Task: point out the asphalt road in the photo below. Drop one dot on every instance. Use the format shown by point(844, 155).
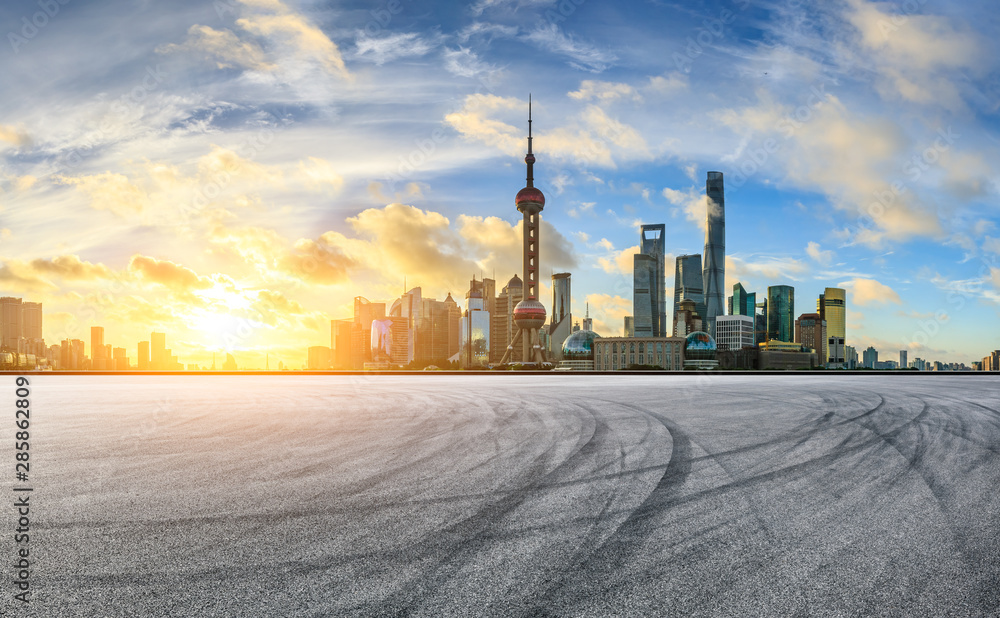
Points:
point(512, 496)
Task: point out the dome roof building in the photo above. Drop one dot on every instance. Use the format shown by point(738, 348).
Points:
point(700, 351)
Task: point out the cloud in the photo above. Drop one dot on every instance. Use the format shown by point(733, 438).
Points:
point(16, 136)
point(853, 159)
point(71, 267)
point(296, 33)
point(618, 262)
point(991, 245)
point(668, 84)
point(488, 30)
point(582, 55)
point(693, 203)
point(915, 56)
point(223, 47)
point(319, 174)
point(464, 62)
point(816, 252)
point(394, 46)
point(110, 191)
point(604, 92)
point(168, 274)
point(591, 137)
point(869, 292)
point(776, 270)
point(322, 261)
point(609, 313)
point(483, 5)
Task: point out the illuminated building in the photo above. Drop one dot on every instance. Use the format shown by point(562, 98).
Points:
point(158, 357)
point(318, 357)
point(502, 327)
point(474, 333)
point(143, 355)
point(686, 319)
point(98, 358)
point(11, 316)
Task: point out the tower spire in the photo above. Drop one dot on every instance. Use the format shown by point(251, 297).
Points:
point(530, 158)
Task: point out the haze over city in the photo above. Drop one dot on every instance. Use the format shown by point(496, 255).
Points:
point(214, 163)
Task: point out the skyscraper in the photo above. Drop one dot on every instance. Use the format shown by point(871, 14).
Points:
point(474, 333)
point(688, 283)
point(870, 357)
point(781, 313)
point(158, 351)
point(10, 322)
point(902, 360)
point(144, 355)
point(97, 350)
point(561, 325)
point(832, 307)
point(529, 314)
point(811, 331)
point(502, 327)
point(649, 293)
point(714, 273)
point(743, 303)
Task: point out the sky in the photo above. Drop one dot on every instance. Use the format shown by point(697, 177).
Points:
point(235, 172)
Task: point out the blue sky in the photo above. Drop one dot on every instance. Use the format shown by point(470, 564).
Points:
point(235, 172)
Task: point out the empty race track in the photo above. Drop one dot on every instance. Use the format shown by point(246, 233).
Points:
point(514, 495)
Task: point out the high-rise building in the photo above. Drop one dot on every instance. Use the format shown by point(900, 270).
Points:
point(649, 293)
point(365, 312)
point(760, 322)
point(902, 360)
point(529, 314)
point(870, 357)
point(560, 326)
point(832, 307)
point(689, 282)
point(143, 355)
point(781, 313)
point(629, 326)
point(502, 327)
point(98, 358)
point(810, 331)
point(743, 303)
point(318, 357)
point(340, 343)
point(714, 263)
point(454, 315)
point(120, 360)
point(158, 357)
point(11, 316)
point(588, 322)
point(734, 332)
point(686, 319)
point(31, 320)
point(850, 357)
point(474, 333)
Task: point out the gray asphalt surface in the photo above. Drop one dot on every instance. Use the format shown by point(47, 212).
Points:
point(513, 496)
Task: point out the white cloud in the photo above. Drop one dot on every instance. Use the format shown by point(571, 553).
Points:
point(816, 252)
point(582, 55)
point(394, 46)
point(868, 292)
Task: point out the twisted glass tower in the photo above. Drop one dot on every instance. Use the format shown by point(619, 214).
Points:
point(714, 263)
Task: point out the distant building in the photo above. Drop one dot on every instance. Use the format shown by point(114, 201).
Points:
point(318, 357)
point(578, 351)
point(629, 326)
point(734, 332)
point(502, 327)
point(902, 360)
point(143, 355)
point(230, 364)
point(365, 312)
point(120, 360)
point(340, 343)
point(619, 353)
point(158, 356)
point(700, 352)
point(561, 324)
point(870, 357)
point(98, 353)
point(850, 357)
point(781, 313)
point(991, 362)
point(10, 323)
point(742, 302)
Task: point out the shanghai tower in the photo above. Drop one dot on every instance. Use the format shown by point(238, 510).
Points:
point(714, 263)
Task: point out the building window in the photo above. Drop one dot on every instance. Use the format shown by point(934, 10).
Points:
point(642, 348)
point(614, 347)
point(659, 347)
point(641, 361)
point(631, 347)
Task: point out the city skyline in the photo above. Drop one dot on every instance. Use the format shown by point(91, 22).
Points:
point(202, 182)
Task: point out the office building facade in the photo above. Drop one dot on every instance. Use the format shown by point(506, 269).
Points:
point(649, 293)
point(561, 323)
point(618, 353)
point(689, 283)
point(832, 307)
point(734, 332)
point(781, 313)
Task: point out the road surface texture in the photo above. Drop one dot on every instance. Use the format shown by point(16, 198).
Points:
point(513, 495)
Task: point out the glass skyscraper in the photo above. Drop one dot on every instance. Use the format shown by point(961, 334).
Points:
point(781, 313)
point(688, 283)
point(649, 292)
point(714, 264)
point(743, 303)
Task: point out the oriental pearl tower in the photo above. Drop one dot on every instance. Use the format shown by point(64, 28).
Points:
point(529, 314)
